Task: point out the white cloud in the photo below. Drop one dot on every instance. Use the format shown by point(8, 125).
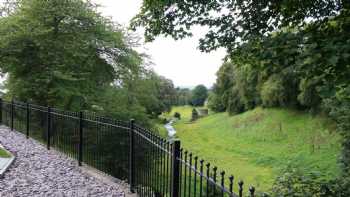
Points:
point(179, 61)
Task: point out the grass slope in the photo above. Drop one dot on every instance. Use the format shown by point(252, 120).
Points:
point(255, 145)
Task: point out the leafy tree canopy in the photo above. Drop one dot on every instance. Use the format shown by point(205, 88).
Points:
point(290, 53)
point(65, 54)
point(199, 95)
point(59, 52)
point(230, 22)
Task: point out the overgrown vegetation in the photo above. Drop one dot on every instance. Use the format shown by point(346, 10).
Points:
point(292, 54)
point(306, 69)
point(65, 54)
point(260, 144)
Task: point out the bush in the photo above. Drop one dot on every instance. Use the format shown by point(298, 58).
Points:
point(215, 103)
point(338, 108)
point(294, 182)
point(177, 115)
point(195, 115)
point(164, 121)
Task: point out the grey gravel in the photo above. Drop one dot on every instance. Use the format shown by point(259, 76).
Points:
point(41, 172)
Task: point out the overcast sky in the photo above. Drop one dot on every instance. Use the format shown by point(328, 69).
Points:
point(179, 61)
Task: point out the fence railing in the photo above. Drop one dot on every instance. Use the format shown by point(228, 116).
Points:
point(152, 166)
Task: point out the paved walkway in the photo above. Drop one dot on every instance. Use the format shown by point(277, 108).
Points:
point(39, 172)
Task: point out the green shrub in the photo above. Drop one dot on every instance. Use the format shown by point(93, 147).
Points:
point(294, 182)
point(195, 115)
point(338, 108)
point(215, 103)
point(177, 115)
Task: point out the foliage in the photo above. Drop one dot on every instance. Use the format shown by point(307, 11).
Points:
point(177, 115)
point(281, 53)
point(156, 93)
point(215, 103)
point(194, 115)
point(255, 145)
point(199, 95)
point(339, 109)
point(230, 22)
point(59, 53)
point(273, 92)
point(183, 96)
point(7, 7)
point(339, 186)
point(65, 54)
point(115, 102)
point(314, 77)
point(222, 88)
point(294, 182)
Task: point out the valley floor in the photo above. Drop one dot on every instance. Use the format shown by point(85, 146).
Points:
point(255, 146)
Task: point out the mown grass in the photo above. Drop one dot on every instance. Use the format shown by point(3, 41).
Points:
point(4, 154)
point(256, 145)
point(185, 112)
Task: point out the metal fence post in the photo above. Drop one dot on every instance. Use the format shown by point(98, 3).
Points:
point(80, 138)
point(0, 110)
point(132, 156)
point(12, 113)
point(27, 120)
point(175, 179)
point(48, 127)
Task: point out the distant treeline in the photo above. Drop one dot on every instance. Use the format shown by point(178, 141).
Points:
point(195, 97)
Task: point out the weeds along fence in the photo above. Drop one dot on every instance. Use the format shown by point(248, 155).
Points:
point(152, 166)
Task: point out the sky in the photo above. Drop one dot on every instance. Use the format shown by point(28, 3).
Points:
point(181, 61)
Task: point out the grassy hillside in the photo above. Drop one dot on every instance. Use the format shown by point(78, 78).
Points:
point(255, 145)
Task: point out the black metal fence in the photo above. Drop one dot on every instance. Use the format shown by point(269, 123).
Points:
point(153, 166)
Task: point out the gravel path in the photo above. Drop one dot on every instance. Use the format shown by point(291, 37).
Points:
point(39, 172)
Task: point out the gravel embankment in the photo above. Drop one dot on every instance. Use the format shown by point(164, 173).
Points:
point(39, 172)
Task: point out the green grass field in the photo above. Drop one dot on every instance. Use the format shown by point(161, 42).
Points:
point(256, 145)
point(3, 153)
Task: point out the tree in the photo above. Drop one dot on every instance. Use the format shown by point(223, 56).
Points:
point(183, 96)
point(156, 93)
point(230, 22)
point(280, 53)
point(222, 87)
point(63, 53)
point(7, 7)
point(199, 95)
